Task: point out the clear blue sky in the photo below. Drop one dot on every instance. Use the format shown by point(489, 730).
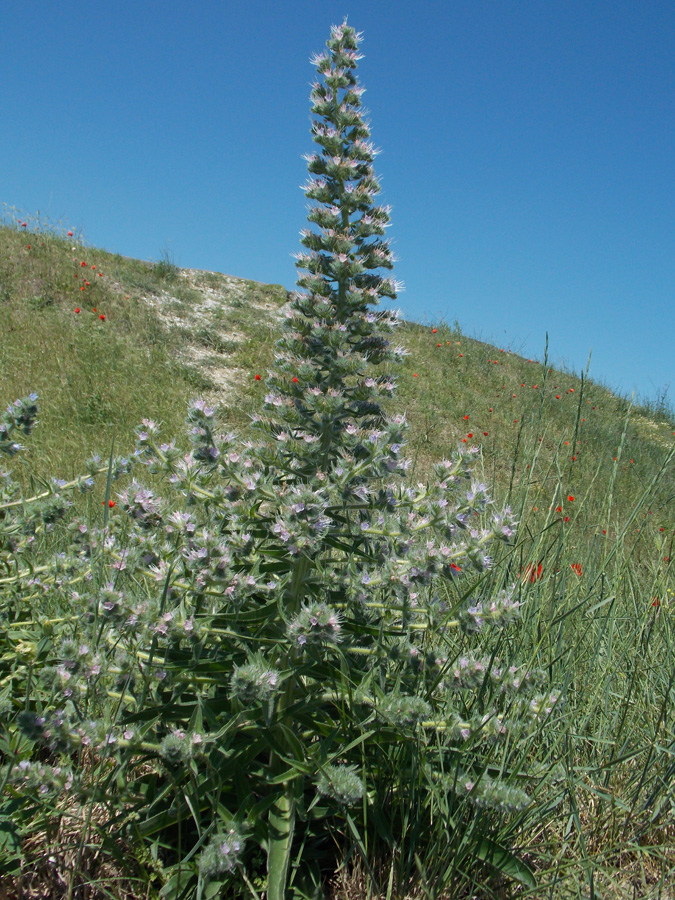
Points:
point(528, 152)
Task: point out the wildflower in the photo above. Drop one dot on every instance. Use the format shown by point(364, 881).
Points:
point(83, 264)
point(570, 498)
point(23, 224)
point(576, 568)
point(27, 246)
point(532, 572)
point(77, 309)
point(415, 375)
point(434, 330)
point(257, 377)
point(70, 234)
point(566, 519)
point(102, 317)
point(295, 379)
point(466, 417)
point(558, 509)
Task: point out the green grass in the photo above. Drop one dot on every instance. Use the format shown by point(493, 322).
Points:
point(591, 477)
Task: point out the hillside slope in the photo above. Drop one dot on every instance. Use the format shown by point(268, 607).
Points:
point(106, 341)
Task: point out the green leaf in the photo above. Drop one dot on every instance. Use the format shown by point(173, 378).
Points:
point(176, 885)
point(505, 862)
point(281, 826)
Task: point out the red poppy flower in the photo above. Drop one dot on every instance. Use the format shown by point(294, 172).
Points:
point(656, 602)
point(93, 267)
point(466, 417)
point(438, 345)
point(23, 224)
point(570, 497)
point(557, 396)
point(576, 568)
point(82, 288)
point(102, 317)
point(461, 354)
point(111, 503)
point(27, 246)
point(87, 283)
point(70, 234)
point(455, 567)
point(295, 379)
point(415, 375)
point(83, 264)
point(558, 509)
point(434, 330)
point(532, 572)
point(485, 433)
point(257, 377)
point(566, 519)
point(94, 309)
point(470, 434)
point(77, 309)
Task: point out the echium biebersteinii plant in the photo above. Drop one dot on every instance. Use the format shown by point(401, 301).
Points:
point(285, 630)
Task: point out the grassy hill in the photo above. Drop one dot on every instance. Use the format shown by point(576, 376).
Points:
point(106, 341)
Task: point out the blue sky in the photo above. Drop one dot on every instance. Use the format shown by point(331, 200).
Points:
point(528, 152)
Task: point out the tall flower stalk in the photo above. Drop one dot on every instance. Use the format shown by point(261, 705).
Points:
point(267, 653)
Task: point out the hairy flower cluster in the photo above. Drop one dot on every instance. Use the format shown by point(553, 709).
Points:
point(180, 746)
point(489, 793)
point(20, 416)
point(222, 854)
point(403, 710)
point(340, 783)
point(316, 623)
point(41, 779)
point(498, 612)
point(254, 681)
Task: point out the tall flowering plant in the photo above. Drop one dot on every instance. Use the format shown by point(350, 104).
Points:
point(266, 651)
